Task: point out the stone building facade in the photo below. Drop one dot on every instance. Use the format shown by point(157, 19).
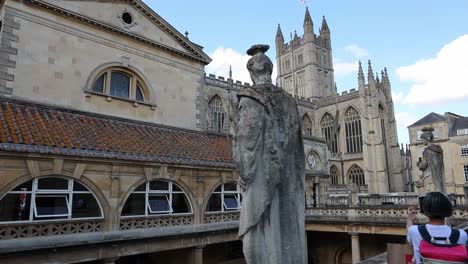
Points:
point(359, 125)
point(112, 135)
point(451, 133)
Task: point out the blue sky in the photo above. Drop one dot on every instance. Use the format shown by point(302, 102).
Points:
point(424, 44)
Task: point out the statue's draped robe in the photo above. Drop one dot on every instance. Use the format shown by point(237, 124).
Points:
point(434, 157)
point(270, 158)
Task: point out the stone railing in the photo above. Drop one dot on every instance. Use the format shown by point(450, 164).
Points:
point(338, 189)
point(49, 228)
point(382, 214)
point(217, 217)
point(155, 221)
point(388, 200)
point(338, 200)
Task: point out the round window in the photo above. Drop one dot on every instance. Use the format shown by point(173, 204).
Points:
point(127, 18)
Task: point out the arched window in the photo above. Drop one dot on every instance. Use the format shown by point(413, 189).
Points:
point(156, 198)
point(50, 198)
point(217, 115)
point(306, 125)
point(353, 131)
point(356, 175)
point(226, 197)
point(382, 122)
point(120, 82)
point(327, 126)
point(334, 175)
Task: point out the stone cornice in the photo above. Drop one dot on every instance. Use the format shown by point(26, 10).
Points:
point(197, 55)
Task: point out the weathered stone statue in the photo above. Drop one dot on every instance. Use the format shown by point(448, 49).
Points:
point(270, 159)
point(433, 159)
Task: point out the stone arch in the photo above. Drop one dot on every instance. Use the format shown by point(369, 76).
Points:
point(334, 175)
point(348, 108)
point(326, 126)
point(102, 202)
point(343, 256)
point(94, 74)
point(207, 197)
point(353, 130)
point(356, 175)
point(307, 124)
point(217, 115)
point(217, 185)
point(181, 185)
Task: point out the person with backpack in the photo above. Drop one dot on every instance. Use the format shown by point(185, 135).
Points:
point(436, 242)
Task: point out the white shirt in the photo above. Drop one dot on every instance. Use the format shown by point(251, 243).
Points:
point(415, 238)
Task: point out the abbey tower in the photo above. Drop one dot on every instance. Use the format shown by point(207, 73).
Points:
point(305, 63)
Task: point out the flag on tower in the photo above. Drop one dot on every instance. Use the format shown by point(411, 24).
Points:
point(303, 1)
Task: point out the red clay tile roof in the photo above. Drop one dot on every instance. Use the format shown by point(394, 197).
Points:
point(26, 127)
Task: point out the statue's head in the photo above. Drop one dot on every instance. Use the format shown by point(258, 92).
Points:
point(260, 66)
point(427, 135)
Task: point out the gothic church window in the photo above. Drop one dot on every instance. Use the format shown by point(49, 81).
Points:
point(288, 86)
point(300, 83)
point(227, 197)
point(157, 198)
point(287, 65)
point(307, 126)
point(382, 122)
point(120, 82)
point(356, 175)
point(217, 114)
point(300, 59)
point(326, 124)
point(334, 175)
point(50, 198)
point(353, 131)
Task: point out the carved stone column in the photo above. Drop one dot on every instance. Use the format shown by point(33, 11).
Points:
point(198, 254)
point(355, 248)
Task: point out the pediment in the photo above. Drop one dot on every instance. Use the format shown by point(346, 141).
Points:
point(130, 17)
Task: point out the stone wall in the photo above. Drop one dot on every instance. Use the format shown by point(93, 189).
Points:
point(58, 57)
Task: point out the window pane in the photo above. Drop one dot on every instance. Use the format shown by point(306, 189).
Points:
point(24, 187)
point(15, 207)
point(52, 184)
point(85, 205)
point(214, 204)
point(159, 186)
point(51, 205)
point(176, 188)
point(135, 205)
point(230, 187)
point(99, 84)
point(120, 84)
point(180, 203)
point(141, 188)
point(218, 189)
point(158, 203)
point(139, 94)
point(79, 187)
point(230, 202)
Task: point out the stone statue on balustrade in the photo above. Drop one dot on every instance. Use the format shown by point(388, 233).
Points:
point(432, 162)
point(269, 153)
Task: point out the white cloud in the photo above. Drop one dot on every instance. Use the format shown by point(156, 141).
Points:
point(345, 68)
point(397, 96)
point(439, 79)
point(357, 51)
point(404, 119)
point(225, 57)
